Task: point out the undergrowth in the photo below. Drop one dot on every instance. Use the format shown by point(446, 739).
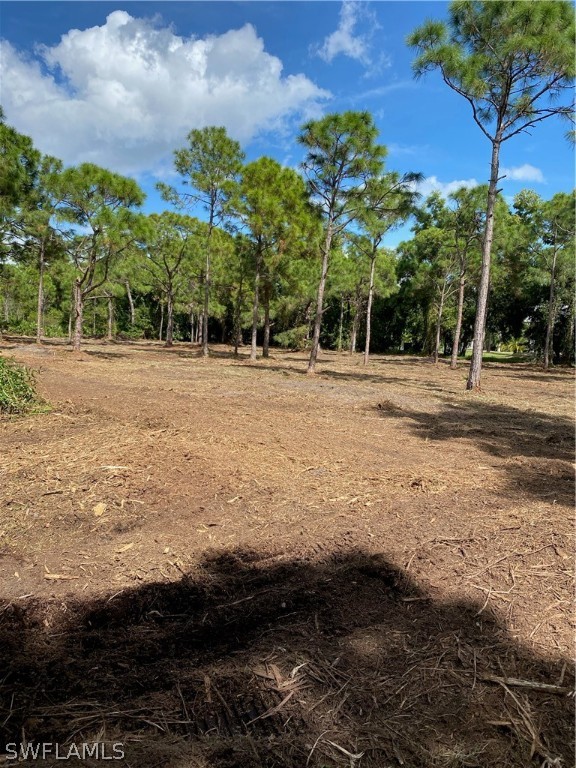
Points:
point(18, 389)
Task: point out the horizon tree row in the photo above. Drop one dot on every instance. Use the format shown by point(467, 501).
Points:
point(266, 226)
point(77, 234)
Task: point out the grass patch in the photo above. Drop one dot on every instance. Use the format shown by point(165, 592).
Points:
point(18, 389)
point(503, 357)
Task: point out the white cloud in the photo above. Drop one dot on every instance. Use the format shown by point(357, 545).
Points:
point(432, 184)
point(125, 94)
point(343, 40)
point(384, 90)
point(406, 149)
point(524, 172)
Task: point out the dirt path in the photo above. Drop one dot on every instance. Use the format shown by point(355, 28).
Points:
point(180, 535)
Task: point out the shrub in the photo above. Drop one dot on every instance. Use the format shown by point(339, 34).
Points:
point(294, 339)
point(17, 389)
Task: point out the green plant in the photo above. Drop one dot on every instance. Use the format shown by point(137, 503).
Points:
point(295, 338)
point(17, 389)
point(515, 346)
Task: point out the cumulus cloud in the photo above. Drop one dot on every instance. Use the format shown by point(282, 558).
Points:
point(432, 184)
point(345, 40)
point(125, 94)
point(524, 172)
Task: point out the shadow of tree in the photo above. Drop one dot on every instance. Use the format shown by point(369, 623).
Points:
point(539, 446)
point(532, 374)
point(365, 377)
point(101, 355)
point(255, 661)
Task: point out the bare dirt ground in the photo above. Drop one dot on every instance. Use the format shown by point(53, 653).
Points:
point(221, 564)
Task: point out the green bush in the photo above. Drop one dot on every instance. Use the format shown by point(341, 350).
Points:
point(294, 339)
point(515, 346)
point(17, 389)
point(22, 327)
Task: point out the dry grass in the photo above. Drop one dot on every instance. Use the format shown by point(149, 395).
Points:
point(368, 567)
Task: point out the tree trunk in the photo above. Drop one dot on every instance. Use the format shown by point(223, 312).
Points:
point(341, 323)
point(191, 326)
point(266, 339)
point(571, 334)
point(320, 301)
point(480, 321)
point(70, 319)
point(131, 303)
point(551, 318)
point(169, 320)
point(161, 333)
point(205, 350)
point(110, 336)
point(238, 317)
point(308, 317)
point(369, 309)
point(458, 330)
point(4, 312)
point(439, 324)
point(199, 330)
point(428, 332)
point(253, 347)
point(40, 308)
point(355, 324)
point(78, 313)
point(237, 339)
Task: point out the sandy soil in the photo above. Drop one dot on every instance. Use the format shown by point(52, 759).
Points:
point(218, 563)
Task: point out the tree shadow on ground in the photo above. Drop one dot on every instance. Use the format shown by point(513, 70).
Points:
point(188, 350)
point(255, 661)
point(105, 355)
point(31, 341)
point(538, 447)
point(367, 377)
point(329, 358)
point(531, 374)
point(256, 368)
point(220, 354)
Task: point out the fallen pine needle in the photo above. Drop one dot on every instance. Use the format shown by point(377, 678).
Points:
point(531, 684)
point(59, 576)
point(273, 710)
point(353, 757)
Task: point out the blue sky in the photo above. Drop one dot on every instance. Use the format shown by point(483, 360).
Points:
point(122, 83)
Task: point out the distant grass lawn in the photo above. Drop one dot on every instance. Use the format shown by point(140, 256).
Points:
point(503, 357)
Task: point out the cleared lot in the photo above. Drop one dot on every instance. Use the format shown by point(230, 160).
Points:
point(220, 563)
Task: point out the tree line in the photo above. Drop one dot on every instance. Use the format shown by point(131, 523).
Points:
point(256, 253)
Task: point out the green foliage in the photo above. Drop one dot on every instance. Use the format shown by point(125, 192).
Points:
point(273, 205)
point(75, 229)
point(209, 167)
point(512, 60)
point(342, 155)
point(295, 339)
point(514, 346)
point(18, 167)
point(17, 389)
